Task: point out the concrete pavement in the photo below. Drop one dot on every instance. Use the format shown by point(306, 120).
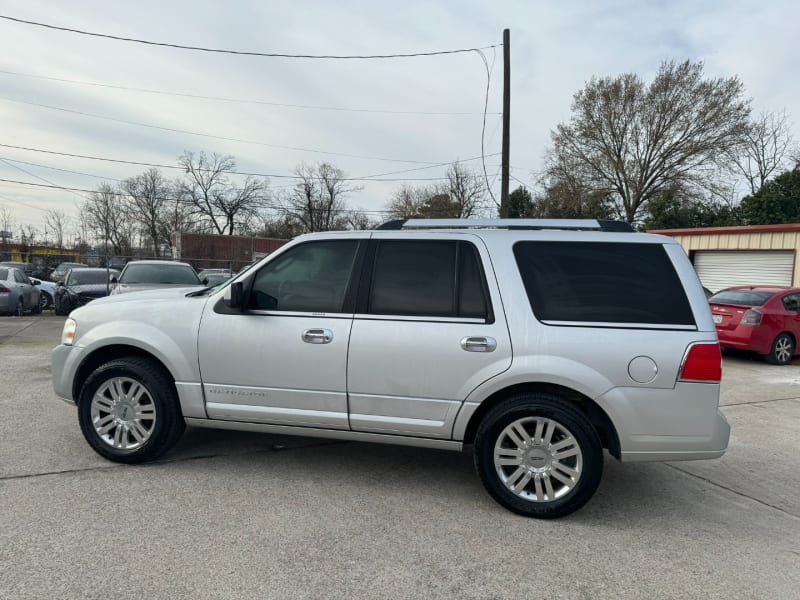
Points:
point(230, 515)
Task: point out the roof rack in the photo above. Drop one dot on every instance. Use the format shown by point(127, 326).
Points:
point(577, 224)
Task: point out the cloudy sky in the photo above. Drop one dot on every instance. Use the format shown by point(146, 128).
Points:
point(556, 47)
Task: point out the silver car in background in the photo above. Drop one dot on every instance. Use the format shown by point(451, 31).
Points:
point(17, 292)
point(154, 274)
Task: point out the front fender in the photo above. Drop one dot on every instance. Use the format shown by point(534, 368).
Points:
point(180, 359)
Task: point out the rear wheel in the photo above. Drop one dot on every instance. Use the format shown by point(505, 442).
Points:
point(782, 350)
point(538, 456)
point(129, 411)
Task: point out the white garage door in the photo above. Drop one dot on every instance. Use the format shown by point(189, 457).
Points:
point(719, 270)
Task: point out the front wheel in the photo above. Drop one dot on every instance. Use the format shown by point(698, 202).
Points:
point(782, 350)
point(538, 456)
point(45, 300)
point(129, 411)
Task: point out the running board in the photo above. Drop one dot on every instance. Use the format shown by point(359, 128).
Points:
point(335, 434)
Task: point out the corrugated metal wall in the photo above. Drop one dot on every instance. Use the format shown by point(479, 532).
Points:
point(774, 240)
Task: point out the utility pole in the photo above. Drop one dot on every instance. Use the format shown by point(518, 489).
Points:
point(506, 122)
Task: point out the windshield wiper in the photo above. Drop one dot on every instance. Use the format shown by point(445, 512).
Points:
point(201, 292)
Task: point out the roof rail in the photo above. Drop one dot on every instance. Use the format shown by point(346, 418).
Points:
point(578, 224)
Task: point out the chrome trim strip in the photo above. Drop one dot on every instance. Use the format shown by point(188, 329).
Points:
point(279, 313)
point(606, 325)
point(354, 436)
point(432, 319)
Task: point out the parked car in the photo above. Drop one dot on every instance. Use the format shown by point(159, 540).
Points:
point(60, 271)
point(47, 292)
point(117, 262)
point(762, 319)
point(81, 286)
point(212, 277)
point(25, 267)
point(142, 275)
point(17, 293)
point(522, 338)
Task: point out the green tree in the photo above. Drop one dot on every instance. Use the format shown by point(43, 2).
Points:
point(778, 201)
point(671, 211)
point(520, 203)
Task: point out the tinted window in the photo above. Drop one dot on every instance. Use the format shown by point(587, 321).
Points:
point(792, 302)
point(4, 274)
point(311, 277)
point(741, 297)
point(602, 282)
point(20, 277)
point(161, 274)
point(427, 278)
point(87, 277)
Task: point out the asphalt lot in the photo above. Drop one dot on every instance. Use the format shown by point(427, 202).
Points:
point(233, 515)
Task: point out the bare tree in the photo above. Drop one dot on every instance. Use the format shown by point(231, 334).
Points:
point(106, 216)
point(466, 190)
point(317, 202)
point(6, 230)
point(460, 196)
point(636, 140)
point(56, 222)
point(767, 146)
point(148, 198)
point(213, 197)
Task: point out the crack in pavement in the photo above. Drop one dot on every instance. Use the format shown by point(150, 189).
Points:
point(273, 448)
point(737, 492)
point(759, 401)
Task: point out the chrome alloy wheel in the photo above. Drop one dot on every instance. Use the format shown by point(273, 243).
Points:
point(538, 459)
point(123, 413)
point(783, 349)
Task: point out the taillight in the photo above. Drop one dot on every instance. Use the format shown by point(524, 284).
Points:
point(751, 317)
point(703, 362)
point(4, 290)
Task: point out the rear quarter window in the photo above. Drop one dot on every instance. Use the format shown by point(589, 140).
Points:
point(602, 282)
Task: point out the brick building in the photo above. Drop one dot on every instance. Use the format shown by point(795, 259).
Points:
point(206, 251)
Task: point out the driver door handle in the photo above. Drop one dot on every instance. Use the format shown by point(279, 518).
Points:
point(317, 336)
point(479, 344)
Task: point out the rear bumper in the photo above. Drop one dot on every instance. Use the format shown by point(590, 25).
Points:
point(746, 337)
point(682, 423)
point(715, 447)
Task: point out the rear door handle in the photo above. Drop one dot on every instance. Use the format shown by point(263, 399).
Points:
point(479, 344)
point(317, 336)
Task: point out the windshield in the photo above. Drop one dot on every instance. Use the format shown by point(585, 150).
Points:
point(160, 274)
point(741, 297)
point(87, 276)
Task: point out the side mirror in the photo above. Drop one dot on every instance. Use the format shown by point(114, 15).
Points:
point(60, 284)
point(113, 279)
point(35, 282)
point(205, 281)
point(234, 296)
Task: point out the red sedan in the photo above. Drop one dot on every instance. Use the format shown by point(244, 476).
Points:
point(764, 319)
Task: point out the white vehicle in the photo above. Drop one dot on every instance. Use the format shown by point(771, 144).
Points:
point(539, 343)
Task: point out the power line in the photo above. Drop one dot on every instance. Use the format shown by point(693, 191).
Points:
point(241, 100)
point(246, 173)
point(32, 164)
point(7, 199)
point(36, 176)
point(213, 136)
point(248, 53)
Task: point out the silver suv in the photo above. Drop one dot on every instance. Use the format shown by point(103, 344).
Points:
point(538, 343)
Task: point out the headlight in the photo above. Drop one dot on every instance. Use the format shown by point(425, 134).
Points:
point(68, 333)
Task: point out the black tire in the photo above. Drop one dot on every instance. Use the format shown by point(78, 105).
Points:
point(62, 307)
point(550, 409)
point(168, 425)
point(782, 350)
point(45, 300)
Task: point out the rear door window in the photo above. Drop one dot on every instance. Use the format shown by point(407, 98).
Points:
point(428, 278)
point(602, 282)
point(741, 297)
